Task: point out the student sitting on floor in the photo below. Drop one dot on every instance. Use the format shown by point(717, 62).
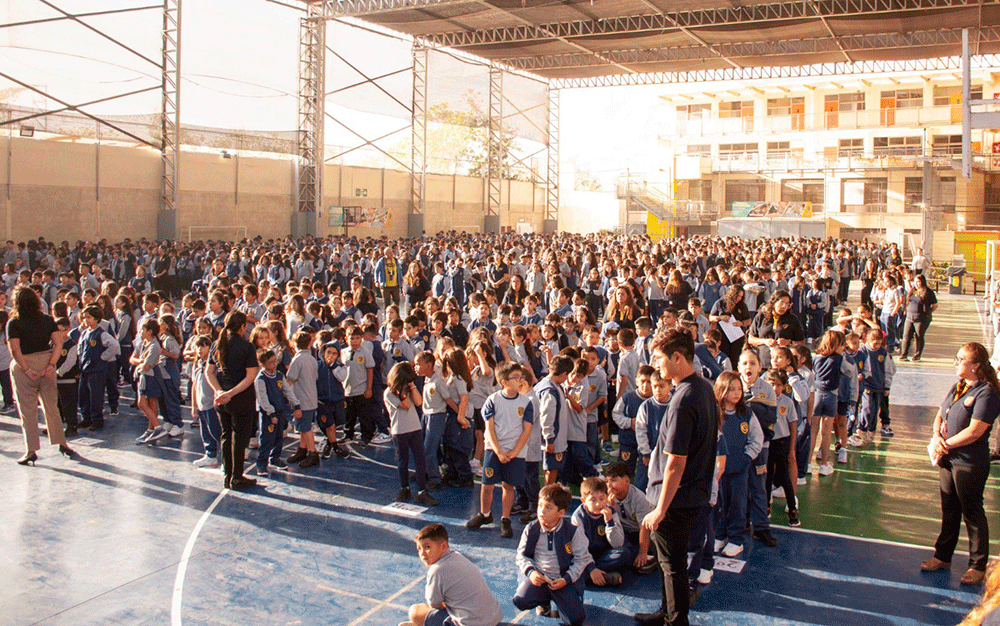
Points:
point(551, 559)
point(456, 593)
point(605, 534)
point(631, 504)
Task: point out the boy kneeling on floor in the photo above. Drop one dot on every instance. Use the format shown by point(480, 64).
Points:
point(456, 592)
point(605, 534)
point(551, 559)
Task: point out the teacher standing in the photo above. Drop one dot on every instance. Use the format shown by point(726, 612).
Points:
point(961, 443)
point(231, 372)
point(32, 337)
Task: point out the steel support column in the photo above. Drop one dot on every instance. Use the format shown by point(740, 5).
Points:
point(170, 122)
point(551, 222)
point(494, 152)
point(418, 136)
point(312, 111)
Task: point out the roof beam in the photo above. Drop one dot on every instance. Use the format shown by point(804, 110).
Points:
point(820, 45)
point(772, 72)
point(356, 8)
point(689, 33)
point(670, 21)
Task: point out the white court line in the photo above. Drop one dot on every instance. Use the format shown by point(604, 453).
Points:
point(519, 617)
point(386, 602)
point(357, 454)
point(361, 597)
point(865, 539)
point(175, 607)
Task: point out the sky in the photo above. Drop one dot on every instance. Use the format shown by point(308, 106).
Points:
point(239, 66)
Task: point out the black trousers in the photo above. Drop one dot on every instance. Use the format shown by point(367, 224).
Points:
point(911, 329)
point(69, 396)
point(962, 498)
point(778, 472)
point(236, 417)
point(671, 541)
point(359, 411)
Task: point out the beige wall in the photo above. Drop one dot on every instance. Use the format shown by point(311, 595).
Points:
point(63, 190)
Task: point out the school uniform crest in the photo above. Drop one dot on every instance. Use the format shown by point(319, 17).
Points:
point(280, 383)
point(520, 411)
point(593, 388)
point(744, 428)
point(431, 390)
point(881, 358)
point(558, 457)
point(93, 342)
point(65, 351)
point(569, 548)
point(397, 352)
point(969, 401)
point(788, 389)
point(762, 395)
point(783, 410)
point(626, 455)
point(488, 472)
point(602, 530)
point(361, 359)
point(270, 428)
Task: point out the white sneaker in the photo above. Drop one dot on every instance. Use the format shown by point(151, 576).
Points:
point(144, 436)
point(819, 455)
point(855, 441)
point(175, 430)
point(842, 455)
point(826, 469)
point(705, 577)
point(381, 438)
point(475, 464)
point(777, 492)
point(254, 443)
point(719, 544)
point(614, 439)
point(809, 468)
point(205, 461)
point(801, 481)
point(158, 433)
point(732, 549)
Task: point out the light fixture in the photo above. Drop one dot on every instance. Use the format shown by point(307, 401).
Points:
point(27, 131)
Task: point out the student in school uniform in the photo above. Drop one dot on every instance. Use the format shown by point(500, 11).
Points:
point(276, 402)
point(631, 504)
point(203, 405)
point(303, 376)
point(68, 380)
point(96, 349)
point(358, 388)
point(625, 412)
point(509, 418)
point(402, 400)
point(552, 409)
point(434, 416)
point(605, 534)
point(648, 419)
point(579, 463)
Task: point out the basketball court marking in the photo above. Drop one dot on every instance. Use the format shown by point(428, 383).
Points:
point(386, 602)
point(358, 596)
point(175, 607)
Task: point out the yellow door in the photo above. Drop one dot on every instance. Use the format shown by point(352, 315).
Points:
point(888, 107)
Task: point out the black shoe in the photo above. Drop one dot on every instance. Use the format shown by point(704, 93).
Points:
point(85, 424)
point(425, 498)
point(692, 596)
point(66, 451)
point(363, 443)
point(793, 518)
point(341, 451)
point(96, 427)
point(300, 454)
point(28, 459)
point(433, 485)
point(311, 460)
point(114, 411)
point(459, 483)
point(402, 495)
point(765, 537)
point(242, 483)
point(655, 618)
point(612, 579)
point(327, 449)
point(518, 509)
point(477, 520)
point(994, 457)
point(279, 463)
point(345, 438)
point(528, 517)
point(506, 530)
point(71, 431)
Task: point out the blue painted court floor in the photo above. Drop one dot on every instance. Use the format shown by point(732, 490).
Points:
point(132, 534)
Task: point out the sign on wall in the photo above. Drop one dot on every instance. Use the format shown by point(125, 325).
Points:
point(772, 209)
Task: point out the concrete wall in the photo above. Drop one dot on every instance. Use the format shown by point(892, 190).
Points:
point(71, 191)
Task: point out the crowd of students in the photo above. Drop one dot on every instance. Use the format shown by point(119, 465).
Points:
point(527, 361)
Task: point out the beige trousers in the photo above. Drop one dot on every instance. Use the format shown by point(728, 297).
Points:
point(28, 392)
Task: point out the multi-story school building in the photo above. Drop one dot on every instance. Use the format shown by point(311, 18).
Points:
point(868, 156)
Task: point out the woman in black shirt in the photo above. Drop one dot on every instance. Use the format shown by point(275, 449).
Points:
point(919, 308)
point(775, 325)
point(32, 337)
point(960, 445)
point(731, 308)
point(231, 372)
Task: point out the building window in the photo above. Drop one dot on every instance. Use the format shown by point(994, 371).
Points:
point(778, 149)
point(899, 146)
point(736, 109)
point(701, 149)
point(694, 112)
point(731, 149)
point(864, 195)
point(846, 101)
point(905, 98)
point(803, 191)
point(700, 190)
point(850, 147)
point(947, 197)
point(744, 191)
point(945, 145)
point(780, 107)
point(952, 94)
point(913, 194)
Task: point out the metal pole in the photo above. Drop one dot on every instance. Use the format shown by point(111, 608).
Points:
point(966, 107)
point(551, 222)
point(494, 152)
point(170, 120)
point(418, 140)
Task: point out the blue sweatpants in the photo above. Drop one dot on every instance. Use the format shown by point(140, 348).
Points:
point(568, 600)
point(434, 426)
point(868, 413)
point(758, 490)
point(731, 518)
point(271, 437)
point(701, 546)
point(92, 395)
point(211, 432)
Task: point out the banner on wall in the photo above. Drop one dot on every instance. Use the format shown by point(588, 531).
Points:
point(371, 217)
point(772, 209)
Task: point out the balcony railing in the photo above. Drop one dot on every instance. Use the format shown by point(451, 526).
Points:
point(754, 162)
point(919, 117)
